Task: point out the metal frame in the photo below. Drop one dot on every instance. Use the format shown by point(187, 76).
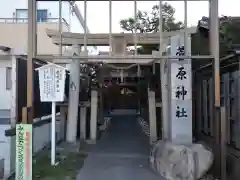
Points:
point(214, 44)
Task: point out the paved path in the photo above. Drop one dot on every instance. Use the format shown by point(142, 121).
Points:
point(121, 154)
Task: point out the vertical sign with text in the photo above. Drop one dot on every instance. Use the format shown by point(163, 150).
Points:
point(181, 92)
point(23, 152)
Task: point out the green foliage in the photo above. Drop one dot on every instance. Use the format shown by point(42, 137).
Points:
point(149, 22)
point(230, 28)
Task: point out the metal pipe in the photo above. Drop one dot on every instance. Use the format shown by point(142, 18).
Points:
point(135, 27)
point(160, 28)
point(85, 26)
point(110, 27)
point(214, 45)
point(30, 56)
point(214, 49)
point(70, 17)
point(34, 31)
point(185, 29)
point(78, 14)
point(135, 35)
point(60, 27)
point(210, 64)
point(104, 57)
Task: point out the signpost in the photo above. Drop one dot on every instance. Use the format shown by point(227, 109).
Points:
point(52, 87)
point(23, 152)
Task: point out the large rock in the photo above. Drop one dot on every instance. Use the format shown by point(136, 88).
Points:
point(180, 162)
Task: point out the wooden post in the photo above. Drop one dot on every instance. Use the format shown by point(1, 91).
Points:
point(24, 115)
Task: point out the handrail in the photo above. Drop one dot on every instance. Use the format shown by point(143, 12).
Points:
point(25, 20)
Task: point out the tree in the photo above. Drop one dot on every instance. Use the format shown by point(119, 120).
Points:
point(229, 28)
point(149, 22)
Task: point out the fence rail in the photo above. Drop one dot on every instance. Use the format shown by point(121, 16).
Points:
point(25, 20)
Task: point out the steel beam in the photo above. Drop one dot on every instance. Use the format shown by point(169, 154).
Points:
point(127, 59)
point(78, 14)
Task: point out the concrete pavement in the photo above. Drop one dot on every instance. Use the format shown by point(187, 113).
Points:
point(121, 154)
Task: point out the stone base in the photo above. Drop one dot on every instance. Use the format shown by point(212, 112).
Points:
point(180, 162)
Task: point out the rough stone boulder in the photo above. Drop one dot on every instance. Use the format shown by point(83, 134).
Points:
point(180, 162)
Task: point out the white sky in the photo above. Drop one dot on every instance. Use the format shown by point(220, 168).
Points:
point(98, 19)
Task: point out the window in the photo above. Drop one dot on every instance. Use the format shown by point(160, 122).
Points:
point(8, 78)
point(22, 15)
point(42, 15)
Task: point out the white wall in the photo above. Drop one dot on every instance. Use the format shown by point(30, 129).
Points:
point(5, 95)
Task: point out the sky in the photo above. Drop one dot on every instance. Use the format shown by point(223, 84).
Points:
point(98, 12)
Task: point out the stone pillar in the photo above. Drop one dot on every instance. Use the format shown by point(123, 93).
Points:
point(83, 118)
point(93, 118)
point(164, 96)
point(180, 74)
point(165, 102)
point(152, 116)
point(119, 45)
point(73, 97)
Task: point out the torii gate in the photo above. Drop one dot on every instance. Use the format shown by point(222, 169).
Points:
point(117, 54)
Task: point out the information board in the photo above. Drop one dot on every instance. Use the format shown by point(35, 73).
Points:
point(52, 83)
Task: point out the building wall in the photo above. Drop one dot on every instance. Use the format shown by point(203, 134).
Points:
point(14, 35)
point(8, 8)
point(5, 95)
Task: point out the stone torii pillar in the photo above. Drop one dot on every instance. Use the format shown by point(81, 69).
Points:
point(73, 104)
point(83, 119)
point(152, 116)
point(93, 117)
